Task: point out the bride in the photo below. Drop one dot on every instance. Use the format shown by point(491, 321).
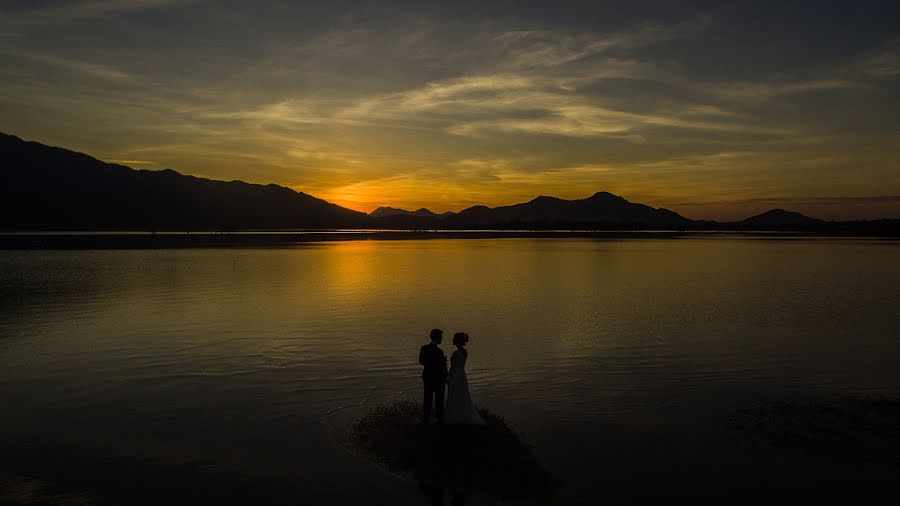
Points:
point(460, 409)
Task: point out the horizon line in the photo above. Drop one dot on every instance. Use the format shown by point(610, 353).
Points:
point(777, 202)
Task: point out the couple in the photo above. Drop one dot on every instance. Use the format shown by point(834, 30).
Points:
point(460, 409)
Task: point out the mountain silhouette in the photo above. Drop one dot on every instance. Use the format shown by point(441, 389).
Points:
point(53, 188)
point(779, 218)
point(602, 210)
point(50, 188)
point(381, 212)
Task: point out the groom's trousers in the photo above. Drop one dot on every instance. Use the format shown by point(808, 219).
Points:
point(434, 391)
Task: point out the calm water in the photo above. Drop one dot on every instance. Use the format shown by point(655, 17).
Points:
point(221, 372)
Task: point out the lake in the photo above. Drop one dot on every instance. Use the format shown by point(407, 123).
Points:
point(231, 374)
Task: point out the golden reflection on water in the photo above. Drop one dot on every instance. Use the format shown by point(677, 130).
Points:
point(520, 299)
point(155, 350)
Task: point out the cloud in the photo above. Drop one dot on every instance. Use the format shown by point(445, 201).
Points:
point(884, 63)
point(61, 12)
point(132, 162)
point(764, 91)
point(538, 104)
point(830, 201)
point(545, 83)
point(536, 82)
point(295, 111)
point(364, 104)
point(546, 48)
point(95, 70)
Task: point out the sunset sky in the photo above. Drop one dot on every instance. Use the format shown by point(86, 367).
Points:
point(713, 109)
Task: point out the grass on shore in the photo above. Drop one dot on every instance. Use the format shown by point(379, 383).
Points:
point(489, 460)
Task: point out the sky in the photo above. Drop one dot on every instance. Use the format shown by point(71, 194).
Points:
point(716, 110)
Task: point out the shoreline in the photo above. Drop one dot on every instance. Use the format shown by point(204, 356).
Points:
point(47, 240)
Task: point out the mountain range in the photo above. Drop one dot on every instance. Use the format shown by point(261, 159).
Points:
point(382, 212)
point(50, 188)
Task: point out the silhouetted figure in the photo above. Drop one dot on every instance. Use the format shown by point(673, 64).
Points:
point(460, 409)
point(434, 375)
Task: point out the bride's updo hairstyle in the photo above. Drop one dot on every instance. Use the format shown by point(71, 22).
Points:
point(460, 339)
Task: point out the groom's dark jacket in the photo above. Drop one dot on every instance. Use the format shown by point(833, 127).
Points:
point(432, 357)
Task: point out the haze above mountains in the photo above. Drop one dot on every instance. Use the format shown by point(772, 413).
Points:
point(50, 188)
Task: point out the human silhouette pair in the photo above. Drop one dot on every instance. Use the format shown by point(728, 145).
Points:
point(436, 378)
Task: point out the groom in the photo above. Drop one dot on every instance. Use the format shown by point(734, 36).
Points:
point(434, 375)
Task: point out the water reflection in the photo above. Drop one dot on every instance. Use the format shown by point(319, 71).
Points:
point(166, 354)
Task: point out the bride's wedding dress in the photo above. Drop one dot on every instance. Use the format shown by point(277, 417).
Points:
point(459, 403)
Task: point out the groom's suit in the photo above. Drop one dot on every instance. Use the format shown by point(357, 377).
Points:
point(434, 377)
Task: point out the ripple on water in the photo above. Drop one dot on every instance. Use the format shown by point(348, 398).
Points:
point(220, 352)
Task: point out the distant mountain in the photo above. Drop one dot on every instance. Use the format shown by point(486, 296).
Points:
point(778, 219)
point(601, 210)
point(381, 212)
point(46, 187)
point(49, 188)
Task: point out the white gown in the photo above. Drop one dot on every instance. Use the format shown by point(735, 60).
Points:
point(460, 409)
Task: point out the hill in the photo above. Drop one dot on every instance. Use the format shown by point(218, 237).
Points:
point(49, 188)
point(778, 219)
point(382, 212)
point(600, 210)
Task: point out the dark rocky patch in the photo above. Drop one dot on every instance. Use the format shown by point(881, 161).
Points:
point(489, 460)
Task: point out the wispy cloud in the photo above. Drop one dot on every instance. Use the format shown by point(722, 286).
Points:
point(542, 82)
point(879, 199)
point(370, 106)
point(76, 10)
point(96, 70)
point(764, 91)
point(132, 162)
point(546, 48)
point(884, 63)
point(540, 104)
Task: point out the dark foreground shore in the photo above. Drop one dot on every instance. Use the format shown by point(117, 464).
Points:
point(785, 450)
point(455, 460)
point(250, 239)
